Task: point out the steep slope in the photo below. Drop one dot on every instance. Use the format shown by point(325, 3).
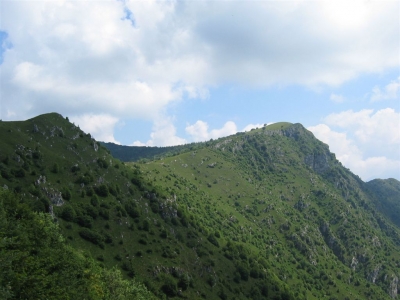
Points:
point(36, 263)
point(386, 197)
point(269, 214)
point(114, 214)
point(281, 193)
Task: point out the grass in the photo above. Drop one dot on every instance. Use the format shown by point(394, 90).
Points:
point(238, 217)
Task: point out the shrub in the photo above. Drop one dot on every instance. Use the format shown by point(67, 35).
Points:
point(132, 209)
point(102, 163)
point(92, 236)
point(102, 190)
point(55, 169)
point(20, 173)
point(211, 238)
point(84, 221)
point(68, 214)
point(169, 286)
point(66, 194)
point(94, 201)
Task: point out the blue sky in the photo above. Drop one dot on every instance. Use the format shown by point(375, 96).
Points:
point(162, 73)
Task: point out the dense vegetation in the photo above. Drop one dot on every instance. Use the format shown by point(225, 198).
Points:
point(144, 153)
point(386, 197)
point(36, 263)
point(269, 214)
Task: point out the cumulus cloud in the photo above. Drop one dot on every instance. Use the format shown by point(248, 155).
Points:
point(390, 91)
point(133, 58)
point(163, 134)
point(199, 131)
point(358, 141)
point(252, 126)
point(79, 57)
point(373, 128)
point(101, 127)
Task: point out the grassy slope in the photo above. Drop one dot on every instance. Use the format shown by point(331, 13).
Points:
point(318, 231)
point(134, 225)
point(239, 217)
point(386, 196)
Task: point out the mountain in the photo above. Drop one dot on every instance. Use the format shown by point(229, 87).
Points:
point(386, 197)
point(268, 214)
point(138, 153)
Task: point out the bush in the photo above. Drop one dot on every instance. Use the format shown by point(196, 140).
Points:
point(102, 190)
point(212, 239)
point(66, 194)
point(169, 286)
point(94, 201)
point(243, 271)
point(20, 173)
point(104, 213)
point(68, 214)
point(132, 209)
point(84, 221)
point(102, 163)
point(55, 169)
point(89, 191)
point(92, 236)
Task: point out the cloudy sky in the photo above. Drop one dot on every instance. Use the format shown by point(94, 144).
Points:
point(163, 73)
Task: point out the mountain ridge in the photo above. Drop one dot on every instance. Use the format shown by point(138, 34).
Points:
point(241, 217)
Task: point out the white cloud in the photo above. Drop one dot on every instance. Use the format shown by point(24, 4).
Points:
point(370, 143)
point(199, 131)
point(101, 127)
point(381, 127)
point(85, 57)
point(90, 54)
point(164, 134)
point(252, 126)
point(336, 98)
point(391, 91)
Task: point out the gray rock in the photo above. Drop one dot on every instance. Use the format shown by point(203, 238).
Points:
point(393, 287)
point(374, 274)
point(318, 162)
point(35, 128)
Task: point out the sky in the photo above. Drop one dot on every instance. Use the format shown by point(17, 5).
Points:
point(162, 73)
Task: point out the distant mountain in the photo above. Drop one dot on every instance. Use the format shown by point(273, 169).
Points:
point(267, 214)
point(137, 153)
point(386, 197)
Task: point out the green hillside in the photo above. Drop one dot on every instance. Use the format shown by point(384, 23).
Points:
point(386, 196)
point(268, 214)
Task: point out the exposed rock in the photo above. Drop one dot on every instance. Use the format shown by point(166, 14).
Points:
point(393, 287)
point(95, 146)
point(40, 180)
point(331, 240)
point(35, 128)
point(168, 209)
point(301, 205)
point(17, 158)
point(55, 130)
point(54, 196)
point(212, 165)
point(374, 274)
point(376, 242)
point(354, 263)
point(318, 162)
